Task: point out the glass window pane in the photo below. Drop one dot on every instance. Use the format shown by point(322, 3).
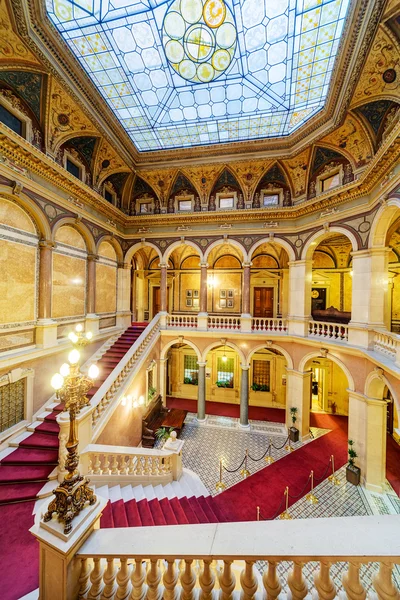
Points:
point(190, 369)
point(261, 375)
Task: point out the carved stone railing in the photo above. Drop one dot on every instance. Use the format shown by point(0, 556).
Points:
point(328, 331)
point(206, 561)
point(270, 325)
point(223, 322)
point(184, 321)
point(120, 464)
point(387, 343)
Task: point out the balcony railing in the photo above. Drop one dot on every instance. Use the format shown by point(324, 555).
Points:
point(387, 343)
point(258, 324)
point(328, 331)
point(182, 321)
point(223, 322)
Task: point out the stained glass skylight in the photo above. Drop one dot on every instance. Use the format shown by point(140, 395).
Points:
point(183, 73)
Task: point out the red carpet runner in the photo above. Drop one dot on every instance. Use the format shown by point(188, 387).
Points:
point(22, 475)
point(223, 409)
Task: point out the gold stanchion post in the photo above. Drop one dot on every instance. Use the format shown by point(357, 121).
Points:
point(288, 447)
point(258, 513)
point(220, 484)
point(310, 497)
point(285, 515)
point(332, 478)
point(245, 472)
point(268, 459)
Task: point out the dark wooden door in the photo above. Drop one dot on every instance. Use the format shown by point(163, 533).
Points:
point(156, 300)
point(390, 417)
point(263, 302)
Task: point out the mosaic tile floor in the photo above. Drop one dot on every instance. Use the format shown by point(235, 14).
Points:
point(221, 437)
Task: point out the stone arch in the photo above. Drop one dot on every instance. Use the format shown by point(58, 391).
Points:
point(228, 344)
point(284, 353)
point(114, 243)
point(221, 241)
point(35, 213)
point(375, 384)
point(317, 237)
point(129, 254)
point(178, 243)
point(108, 174)
point(168, 345)
point(181, 173)
point(383, 219)
point(81, 227)
point(73, 134)
point(278, 241)
point(334, 359)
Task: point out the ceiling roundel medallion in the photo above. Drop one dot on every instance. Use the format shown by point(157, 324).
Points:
point(199, 38)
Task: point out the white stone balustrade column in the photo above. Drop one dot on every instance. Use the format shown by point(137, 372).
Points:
point(298, 394)
point(203, 314)
point(367, 428)
point(300, 279)
point(244, 396)
point(124, 316)
point(369, 307)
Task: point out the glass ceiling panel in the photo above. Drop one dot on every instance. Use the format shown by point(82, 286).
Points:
point(183, 73)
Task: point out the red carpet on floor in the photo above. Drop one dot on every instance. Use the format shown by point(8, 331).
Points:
point(393, 464)
point(223, 409)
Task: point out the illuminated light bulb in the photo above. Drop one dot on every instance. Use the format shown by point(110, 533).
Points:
point(123, 401)
point(89, 335)
point(73, 337)
point(79, 327)
point(73, 357)
point(57, 381)
point(93, 371)
point(141, 400)
point(351, 273)
point(224, 358)
point(64, 370)
point(135, 404)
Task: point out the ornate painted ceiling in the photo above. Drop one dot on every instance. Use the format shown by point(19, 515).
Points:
point(195, 72)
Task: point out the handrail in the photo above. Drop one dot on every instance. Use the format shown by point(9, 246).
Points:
point(268, 324)
point(327, 330)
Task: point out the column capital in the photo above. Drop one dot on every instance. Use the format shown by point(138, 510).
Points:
point(244, 367)
point(299, 373)
point(163, 265)
point(204, 265)
point(202, 364)
point(367, 252)
point(47, 244)
point(247, 264)
point(92, 257)
point(299, 263)
point(124, 265)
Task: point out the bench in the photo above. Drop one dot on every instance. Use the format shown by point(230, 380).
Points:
point(332, 315)
point(151, 421)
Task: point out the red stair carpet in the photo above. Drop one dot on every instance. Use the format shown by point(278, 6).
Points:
point(223, 409)
point(176, 511)
point(22, 475)
point(393, 464)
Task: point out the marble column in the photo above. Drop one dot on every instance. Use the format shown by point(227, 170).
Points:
point(163, 362)
point(133, 295)
point(246, 290)
point(163, 287)
point(201, 392)
point(124, 316)
point(300, 279)
point(298, 395)
point(45, 279)
point(244, 396)
point(92, 320)
point(203, 288)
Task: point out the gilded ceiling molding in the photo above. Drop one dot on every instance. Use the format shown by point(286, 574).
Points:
point(297, 168)
point(107, 162)
point(352, 141)
point(11, 45)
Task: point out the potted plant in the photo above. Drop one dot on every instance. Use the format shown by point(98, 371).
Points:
point(293, 431)
point(163, 433)
point(353, 473)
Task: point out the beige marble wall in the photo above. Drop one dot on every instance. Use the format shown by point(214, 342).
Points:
point(106, 249)
point(17, 282)
point(70, 236)
point(69, 283)
point(106, 288)
point(14, 216)
point(225, 281)
point(188, 281)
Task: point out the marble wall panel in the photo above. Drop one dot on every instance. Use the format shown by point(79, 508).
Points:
point(106, 290)
point(107, 250)
point(17, 339)
point(17, 282)
point(69, 283)
point(70, 236)
point(188, 281)
point(14, 216)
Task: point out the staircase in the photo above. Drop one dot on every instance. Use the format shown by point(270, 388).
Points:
point(181, 502)
point(28, 465)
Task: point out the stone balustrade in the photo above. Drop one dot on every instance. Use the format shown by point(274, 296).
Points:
point(174, 321)
point(387, 343)
point(224, 322)
point(328, 331)
point(270, 325)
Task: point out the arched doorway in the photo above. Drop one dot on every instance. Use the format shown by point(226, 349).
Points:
point(269, 283)
point(329, 387)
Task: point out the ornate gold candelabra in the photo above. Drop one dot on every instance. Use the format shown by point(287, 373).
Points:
point(78, 338)
point(72, 494)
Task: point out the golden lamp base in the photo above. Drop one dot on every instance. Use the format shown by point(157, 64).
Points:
point(285, 516)
point(334, 480)
point(269, 460)
point(312, 499)
point(245, 473)
point(220, 486)
point(289, 448)
point(70, 498)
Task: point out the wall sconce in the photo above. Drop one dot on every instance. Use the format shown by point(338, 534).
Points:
point(123, 401)
point(211, 281)
point(224, 357)
point(141, 400)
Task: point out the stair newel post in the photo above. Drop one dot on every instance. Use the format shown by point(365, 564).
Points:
point(139, 588)
point(206, 581)
point(323, 582)
point(96, 580)
point(352, 584)
point(271, 581)
point(154, 591)
point(227, 581)
point(124, 580)
point(109, 576)
point(84, 579)
point(170, 579)
point(248, 581)
point(297, 582)
point(188, 581)
point(383, 583)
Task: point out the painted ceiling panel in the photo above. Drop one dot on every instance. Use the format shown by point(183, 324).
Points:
point(182, 73)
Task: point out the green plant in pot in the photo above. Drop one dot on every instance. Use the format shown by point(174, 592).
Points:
point(353, 472)
point(163, 433)
point(293, 431)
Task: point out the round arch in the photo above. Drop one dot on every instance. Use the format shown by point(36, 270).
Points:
point(137, 246)
point(222, 241)
point(178, 243)
point(225, 167)
point(71, 135)
point(114, 243)
point(345, 153)
point(334, 359)
point(81, 228)
point(35, 213)
point(320, 235)
point(165, 349)
point(284, 353)
point(383, 219)
point(228, 344)
point(279, 242)
point(375, 384)
point(101, 180)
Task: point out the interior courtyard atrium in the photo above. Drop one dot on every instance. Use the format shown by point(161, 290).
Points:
point(199, 299)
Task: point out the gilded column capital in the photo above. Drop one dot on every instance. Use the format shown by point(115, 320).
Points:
point(92, 257)
point(163, 265)
point(47, 244)
point(204, 265)
point(124, 265)
point(247, 264)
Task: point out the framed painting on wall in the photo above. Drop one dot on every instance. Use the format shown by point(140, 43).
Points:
point(229, 303)
point(188, 293)
point(195, 293)
point(222, 293)
point(231, 293)
point(189, 302)
point(222, 303)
